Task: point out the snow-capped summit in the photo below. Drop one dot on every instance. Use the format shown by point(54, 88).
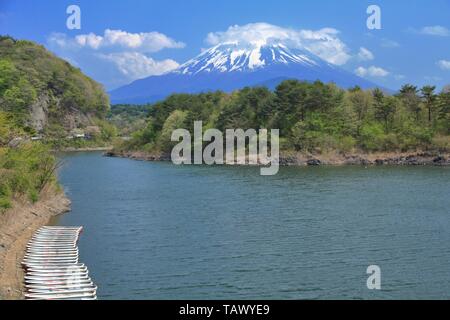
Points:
point(231, 57)
point(230, 66)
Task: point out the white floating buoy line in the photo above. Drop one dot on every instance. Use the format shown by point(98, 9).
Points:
point(52, 268)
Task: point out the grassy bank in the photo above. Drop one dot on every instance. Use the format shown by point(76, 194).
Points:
point(26, 168)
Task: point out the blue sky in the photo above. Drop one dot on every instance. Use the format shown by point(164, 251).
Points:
point(151, 37)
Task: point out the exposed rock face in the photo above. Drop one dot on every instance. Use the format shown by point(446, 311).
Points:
point(38, 113)
point(76, 119)
point(14, 143)
point(290, 160)
point(69, 119)
point(356, 160)
point(439, 160)
point(137, 155)
point(314, 162)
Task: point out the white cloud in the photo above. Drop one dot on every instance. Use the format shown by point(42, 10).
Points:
point(435, 31)
point(444, 64)
point(371, 71)
point(135, 65)
point(116, 57)
point(365, 54)
point(388, 43)
point(143, 41)
point(324, 42)
point(90, 40)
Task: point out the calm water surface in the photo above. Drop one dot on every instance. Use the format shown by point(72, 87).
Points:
point(159, 231)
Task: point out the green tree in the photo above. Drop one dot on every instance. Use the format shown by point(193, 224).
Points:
point(443, 103)
point(409, 96)
point(361, 102)
point(384, 107)
point(8, 75)
point(378, 97)
point(290, 101)
point(176, 120)
point(8, 130)
point(322, 97)
point(429, 99)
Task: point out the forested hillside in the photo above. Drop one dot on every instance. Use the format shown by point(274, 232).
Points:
point(45, 98)
point(313, 117)
point(46, 93)
point(128, 118)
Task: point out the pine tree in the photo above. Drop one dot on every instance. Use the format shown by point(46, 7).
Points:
point(429, 99)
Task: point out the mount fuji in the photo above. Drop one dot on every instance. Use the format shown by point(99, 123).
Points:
point(230, 66)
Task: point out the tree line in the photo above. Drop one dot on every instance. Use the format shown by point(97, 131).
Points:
point(312, 117)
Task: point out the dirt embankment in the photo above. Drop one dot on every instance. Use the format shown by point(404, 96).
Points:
point(332, 158)
point(17, 226)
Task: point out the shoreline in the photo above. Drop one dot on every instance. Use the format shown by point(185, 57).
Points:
point(291, 158)
point(17, 225)
point(87, 149)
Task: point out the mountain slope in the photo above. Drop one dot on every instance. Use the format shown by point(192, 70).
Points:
point(230, 66)
point(41, 89)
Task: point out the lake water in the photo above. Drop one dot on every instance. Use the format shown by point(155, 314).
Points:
point(158, 231)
